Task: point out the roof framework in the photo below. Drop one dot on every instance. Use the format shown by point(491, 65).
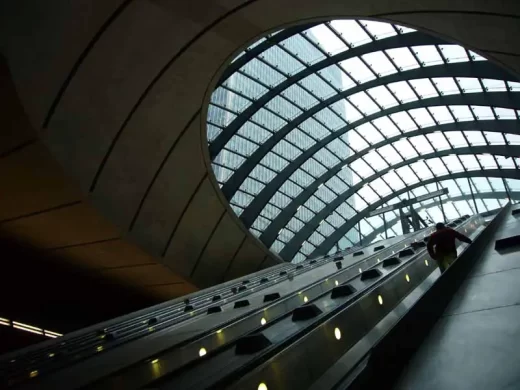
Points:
point(410, 110)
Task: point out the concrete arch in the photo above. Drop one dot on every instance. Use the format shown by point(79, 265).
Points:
point(114, 94)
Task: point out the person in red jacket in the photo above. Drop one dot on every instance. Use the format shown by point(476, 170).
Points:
point(441, 245)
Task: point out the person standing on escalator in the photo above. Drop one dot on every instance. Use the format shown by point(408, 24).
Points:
point(441, 245)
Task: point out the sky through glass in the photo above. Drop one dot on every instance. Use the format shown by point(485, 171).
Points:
point(314, 126)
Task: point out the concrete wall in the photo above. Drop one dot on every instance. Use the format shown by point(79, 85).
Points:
point(116, 94)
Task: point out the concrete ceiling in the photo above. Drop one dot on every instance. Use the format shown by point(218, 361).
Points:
point(102, 147)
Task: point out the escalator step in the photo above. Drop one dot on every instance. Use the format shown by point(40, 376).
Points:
point(342, 291)
point(214, 309)
point(271, 297)
point(242, 303)
point(252, 343)
point(306, 312)
point(390, 262)
point(406, 252)
point(370, 274)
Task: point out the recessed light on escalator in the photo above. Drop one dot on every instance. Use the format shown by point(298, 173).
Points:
point(360, 271)
point(337, 333)
point(305, 299)
point(263, 321)
point(33, 374)
point(426, 263)
point(262, 386)
point(155, 361)
point(336, 283)
point(202, 352)
point(407, 278)
point(380, 299)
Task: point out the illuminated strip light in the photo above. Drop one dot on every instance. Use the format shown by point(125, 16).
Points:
point(27, 328)
point(53, 335)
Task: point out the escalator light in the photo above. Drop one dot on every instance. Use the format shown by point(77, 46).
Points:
point(305, 299)
point(202, 352)
point(263, 321)
point(51, 355)
point(99, 348)
point(380, 299)
point(378, 260)
point(155, 361)
point(33, 374)
point(360, 271)
point(336, 283)
point(426, 263)
point(262, 386)
point(407, 278)
point(337, 333)
point(219, 331)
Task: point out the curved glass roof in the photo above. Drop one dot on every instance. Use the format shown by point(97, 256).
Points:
point(313, 127)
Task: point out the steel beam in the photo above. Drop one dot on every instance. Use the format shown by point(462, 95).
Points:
point(412, 39)
point(325, 246)
point(294, 244)
point(369, 238)
point(286, 214)
point(499, 99)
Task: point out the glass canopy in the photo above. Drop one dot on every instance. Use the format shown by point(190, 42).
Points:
point(313, 127)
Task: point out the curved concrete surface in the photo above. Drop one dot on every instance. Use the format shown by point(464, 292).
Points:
point(115, 92)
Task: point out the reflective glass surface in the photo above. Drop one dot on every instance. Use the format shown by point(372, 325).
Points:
point(315, 130)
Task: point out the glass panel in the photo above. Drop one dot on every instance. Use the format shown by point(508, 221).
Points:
point(326, 158)
point(390, 154)
point(268, 119)
point(229, 159)
point(487, 161)
point(301, 178)
point(254, 132)
point(314, 129)
point(367, 194)
point(340, 149)
point(299, 96)
point(300, 139)
point(515, 87)
point(245, 85)
point(454, 53)
point(361, 168)
point(428, 55)
point(213, 132)
point(352, 114)
point(481, 184)
point(334, 75)
point(262, 174)
point(328, 118)
point(407, 175)
point(252, 186)
point(402, 90)
point(393, 180)
point(299, 46)
point(356, 142)
point(405, 149)
point(382, 96)
point(505, 113)
point(282, 61)
point(438, 141)
point(461, 113)
point(386, 126)
point(494, 85)
point(421, 144)
point(403, 58)
point(494, 138)
point(241, 146)
point(421, 169)
point(225, 98)
point(424, 88)
point(403, 120)
point(436, 165)
point(379, 63)
point(219, 117)
point(475, 138)
point(476, 57)
point(317, 86)
point(357, 70)
point(322, 35)
point(513, 139)
point(351, 31)
point(241, 199)
point(375, 160)
point(422, 117)
point(469, 161)
point(274, 162)
point(446, 85)
point(483, 112)
point(380, 186)
point(363, 103)
point(379, 30)
point(453, 163)
point(282, 107)
point(469, 84)
point(441, 114)
point(261, 71)
point(313, 167)
point(456, 138)
point(370, 133)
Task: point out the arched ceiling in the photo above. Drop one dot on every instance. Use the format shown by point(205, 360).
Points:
point(115, 94)
point(313, 124)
